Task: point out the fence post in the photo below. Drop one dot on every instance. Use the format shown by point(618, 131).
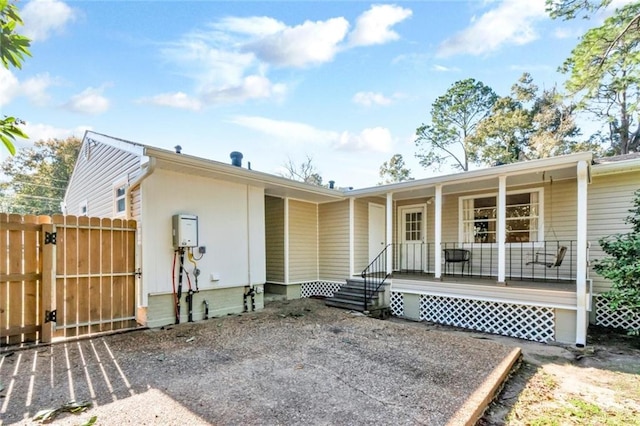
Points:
point(48, 282)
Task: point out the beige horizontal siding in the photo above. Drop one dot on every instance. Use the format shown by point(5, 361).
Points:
point(303, 241)
point(334, 240)
point(274, 238)
point(610, 198)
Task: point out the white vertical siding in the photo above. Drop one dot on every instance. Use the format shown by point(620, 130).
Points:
point(94, 175)
point(333, 240)
point(303, 241)
point(609, 198)
point(274, 224)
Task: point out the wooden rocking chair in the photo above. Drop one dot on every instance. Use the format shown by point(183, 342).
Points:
point(550, 260)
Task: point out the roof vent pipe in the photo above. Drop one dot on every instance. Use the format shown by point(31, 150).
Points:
point(331, 184)
point(236, 158)
point(178, 149)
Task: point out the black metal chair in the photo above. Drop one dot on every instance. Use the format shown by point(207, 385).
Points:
point(456, 256)
point(550, 260)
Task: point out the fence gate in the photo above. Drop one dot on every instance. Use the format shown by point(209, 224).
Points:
point(65, 276)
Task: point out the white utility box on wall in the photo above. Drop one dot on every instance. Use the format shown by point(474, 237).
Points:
point(185, 230)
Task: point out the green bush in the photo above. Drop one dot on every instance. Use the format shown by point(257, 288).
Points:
point(622, 265)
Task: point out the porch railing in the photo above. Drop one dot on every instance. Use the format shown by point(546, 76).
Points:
point(375, 275)
point(523, 261)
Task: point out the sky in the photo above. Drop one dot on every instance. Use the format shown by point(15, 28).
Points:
point(345, 83)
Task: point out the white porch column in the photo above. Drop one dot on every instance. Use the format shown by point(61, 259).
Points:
point(501, 231)
point(286, 241)
point(352, 257)
point(438, 232)
point(389, 217)
point(581, 255)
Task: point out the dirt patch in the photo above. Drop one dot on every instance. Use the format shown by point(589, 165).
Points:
point(294, 362)
point(563, 385)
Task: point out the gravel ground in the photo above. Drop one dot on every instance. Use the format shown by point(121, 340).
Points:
point(295, 362)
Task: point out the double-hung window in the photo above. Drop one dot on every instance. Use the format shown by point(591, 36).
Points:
point(479, 217)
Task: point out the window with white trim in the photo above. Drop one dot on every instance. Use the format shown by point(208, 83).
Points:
point(479, 217)
point(120, 198)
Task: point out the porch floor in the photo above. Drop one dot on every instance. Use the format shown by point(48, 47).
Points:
point(550, 285)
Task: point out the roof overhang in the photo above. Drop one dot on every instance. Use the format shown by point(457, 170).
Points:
point(615, 167)
point(273, 185)
point(518, 174)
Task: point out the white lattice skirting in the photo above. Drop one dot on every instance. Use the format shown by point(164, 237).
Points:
point(616, 319)
point(523, 321)
point(397, 304)
point(319, 288)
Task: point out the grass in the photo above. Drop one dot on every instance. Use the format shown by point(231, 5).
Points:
point(541, 404)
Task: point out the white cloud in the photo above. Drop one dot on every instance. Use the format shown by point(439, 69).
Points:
point(229, 60)
point(9, 86)
point(370, 98)
point(374, 25)
point(44, 17)
point(511, 22)
point(563, 33)
point(251, 87)
point(176, 100)
point(286, 130)
point(89, 101)
point(40, 131)
point(254, 25)
point(34, 88)
point(442, 68)
point(376, 139)
point(307, 44)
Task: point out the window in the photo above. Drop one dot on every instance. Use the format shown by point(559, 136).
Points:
point(413, 226)
point(83, 208)
point(479, 217)
point(120, 198)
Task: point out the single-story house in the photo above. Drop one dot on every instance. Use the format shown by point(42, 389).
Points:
point(505, 249)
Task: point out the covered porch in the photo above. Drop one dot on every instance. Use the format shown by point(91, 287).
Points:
point(502, 249)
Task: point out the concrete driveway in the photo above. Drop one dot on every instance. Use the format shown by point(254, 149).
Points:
point(295, 362)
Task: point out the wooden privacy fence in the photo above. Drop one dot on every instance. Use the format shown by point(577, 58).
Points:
point(65, 276)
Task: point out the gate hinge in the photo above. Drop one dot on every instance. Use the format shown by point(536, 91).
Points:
point(50, 316)
point(50, 237)
point(138, 273)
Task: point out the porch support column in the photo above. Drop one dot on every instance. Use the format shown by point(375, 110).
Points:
point(501, 232)
point(352, 257)
point(438, 233)
point(389, 217)
point(581, 248)
point(286, 241)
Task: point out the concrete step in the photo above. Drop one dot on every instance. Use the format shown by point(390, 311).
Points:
point(347, 304)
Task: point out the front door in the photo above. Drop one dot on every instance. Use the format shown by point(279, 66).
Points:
point(412, 250)
point(377, 238)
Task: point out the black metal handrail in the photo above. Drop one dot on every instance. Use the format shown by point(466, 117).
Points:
point(376, 272)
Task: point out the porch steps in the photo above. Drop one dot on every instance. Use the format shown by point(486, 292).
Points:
point(351, 296)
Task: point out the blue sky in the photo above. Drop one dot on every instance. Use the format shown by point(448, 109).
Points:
point(345, 82)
